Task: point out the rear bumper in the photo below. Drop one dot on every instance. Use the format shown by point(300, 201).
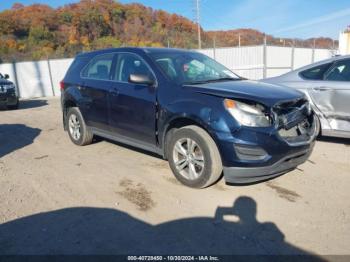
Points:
point(242, 175)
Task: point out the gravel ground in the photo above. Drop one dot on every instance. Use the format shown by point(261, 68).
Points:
point(106, 198)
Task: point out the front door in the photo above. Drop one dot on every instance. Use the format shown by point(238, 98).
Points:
point(133, 106)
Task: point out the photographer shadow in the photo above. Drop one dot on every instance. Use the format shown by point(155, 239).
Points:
point(107, 231)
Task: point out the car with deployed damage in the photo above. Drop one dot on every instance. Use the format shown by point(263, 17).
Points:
point(191, 110)
point(326, 84)
point(8, 93)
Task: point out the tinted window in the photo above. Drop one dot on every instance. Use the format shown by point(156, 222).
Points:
point(340, 72)
point(130, 64)
point(99, 67)
point(316, 73)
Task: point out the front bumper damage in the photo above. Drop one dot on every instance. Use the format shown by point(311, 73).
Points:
point(296, 131)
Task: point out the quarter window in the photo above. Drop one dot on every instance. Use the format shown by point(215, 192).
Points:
point(316, 73)
point(99, 67)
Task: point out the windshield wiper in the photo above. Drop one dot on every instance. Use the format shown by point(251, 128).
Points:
point(213, 80)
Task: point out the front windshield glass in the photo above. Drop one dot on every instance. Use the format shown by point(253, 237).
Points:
point(192, 68)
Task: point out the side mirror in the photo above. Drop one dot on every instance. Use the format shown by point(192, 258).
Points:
point(141, 79)
point(6, 76)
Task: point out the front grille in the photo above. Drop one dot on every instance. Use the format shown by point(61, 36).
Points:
point(295, 121)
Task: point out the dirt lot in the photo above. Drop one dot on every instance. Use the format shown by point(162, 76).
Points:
point(57, 198)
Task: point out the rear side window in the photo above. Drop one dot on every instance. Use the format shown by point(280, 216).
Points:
point(316, 73)
point(340, 72)
point(99, 67)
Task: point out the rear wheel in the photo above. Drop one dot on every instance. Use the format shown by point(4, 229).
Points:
point(78, 132)
point(194, 157)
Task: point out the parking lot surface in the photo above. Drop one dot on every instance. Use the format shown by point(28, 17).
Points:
point(106, 198)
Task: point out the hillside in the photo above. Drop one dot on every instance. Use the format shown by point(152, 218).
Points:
point(39, 31)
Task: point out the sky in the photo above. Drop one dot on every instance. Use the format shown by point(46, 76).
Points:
point(281, 18)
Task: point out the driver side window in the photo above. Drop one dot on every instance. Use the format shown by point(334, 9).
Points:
point(130, 64)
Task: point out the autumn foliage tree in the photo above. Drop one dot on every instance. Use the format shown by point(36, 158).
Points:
point(40, 31)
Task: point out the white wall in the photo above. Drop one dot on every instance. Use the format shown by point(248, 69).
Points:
point(59, 68)
point(33, 78)
point(249, 61)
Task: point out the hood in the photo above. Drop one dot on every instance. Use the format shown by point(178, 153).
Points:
point(262, 93)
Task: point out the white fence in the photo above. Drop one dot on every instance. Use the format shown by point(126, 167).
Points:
point(257, 62)
point(41, 78)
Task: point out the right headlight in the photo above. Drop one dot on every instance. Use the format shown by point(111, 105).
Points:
point(247, 115)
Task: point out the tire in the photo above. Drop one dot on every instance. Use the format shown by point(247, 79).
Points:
point(14, 107)
point(319, 125)
point(79, 133)
point(200, 165)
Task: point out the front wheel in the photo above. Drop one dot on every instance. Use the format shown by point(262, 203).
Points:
point(15, 106)
point(194, 157)
point(78, 132)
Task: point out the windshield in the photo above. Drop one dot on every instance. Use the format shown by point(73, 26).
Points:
point(192, 68)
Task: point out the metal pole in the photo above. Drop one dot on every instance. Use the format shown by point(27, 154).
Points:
point(239, 40)
point(14, 69)
point(198, 25)
point(313, 52)
point(293, 54)
point(50, 75)
point(265, 58)
point(214, 46)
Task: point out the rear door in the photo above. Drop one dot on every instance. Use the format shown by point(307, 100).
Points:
point(95, 89)
point(133, 106)
point(333, 95)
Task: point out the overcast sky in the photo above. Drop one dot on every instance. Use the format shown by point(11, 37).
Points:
point(283, 18)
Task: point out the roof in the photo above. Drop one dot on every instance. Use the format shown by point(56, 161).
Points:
point(153, 50)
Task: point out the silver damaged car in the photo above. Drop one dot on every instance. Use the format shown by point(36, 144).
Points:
point(327, 86)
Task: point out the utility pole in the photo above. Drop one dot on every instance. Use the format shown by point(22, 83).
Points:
point(198, 24)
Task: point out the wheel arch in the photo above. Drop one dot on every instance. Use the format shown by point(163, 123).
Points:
point(67, 103)
point(179, 122)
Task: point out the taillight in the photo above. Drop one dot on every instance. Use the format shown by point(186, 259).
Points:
point(62, 85)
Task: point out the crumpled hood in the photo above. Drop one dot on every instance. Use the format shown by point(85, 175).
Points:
point(263, 93)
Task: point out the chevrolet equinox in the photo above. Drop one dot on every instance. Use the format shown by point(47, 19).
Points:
point(200, 116)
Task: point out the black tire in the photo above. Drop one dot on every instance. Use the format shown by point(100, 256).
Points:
point(317, 119)
point(14, 107)
point(212, 169)
point(86, 136)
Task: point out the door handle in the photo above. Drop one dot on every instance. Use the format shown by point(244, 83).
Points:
point(322, 88)
point(114, 91)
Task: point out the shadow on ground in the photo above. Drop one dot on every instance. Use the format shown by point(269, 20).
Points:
point(337, 140)
point(27, 104)
point(109, 231)
point(16, 136)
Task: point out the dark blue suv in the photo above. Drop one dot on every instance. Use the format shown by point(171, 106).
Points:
point(197, 114)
